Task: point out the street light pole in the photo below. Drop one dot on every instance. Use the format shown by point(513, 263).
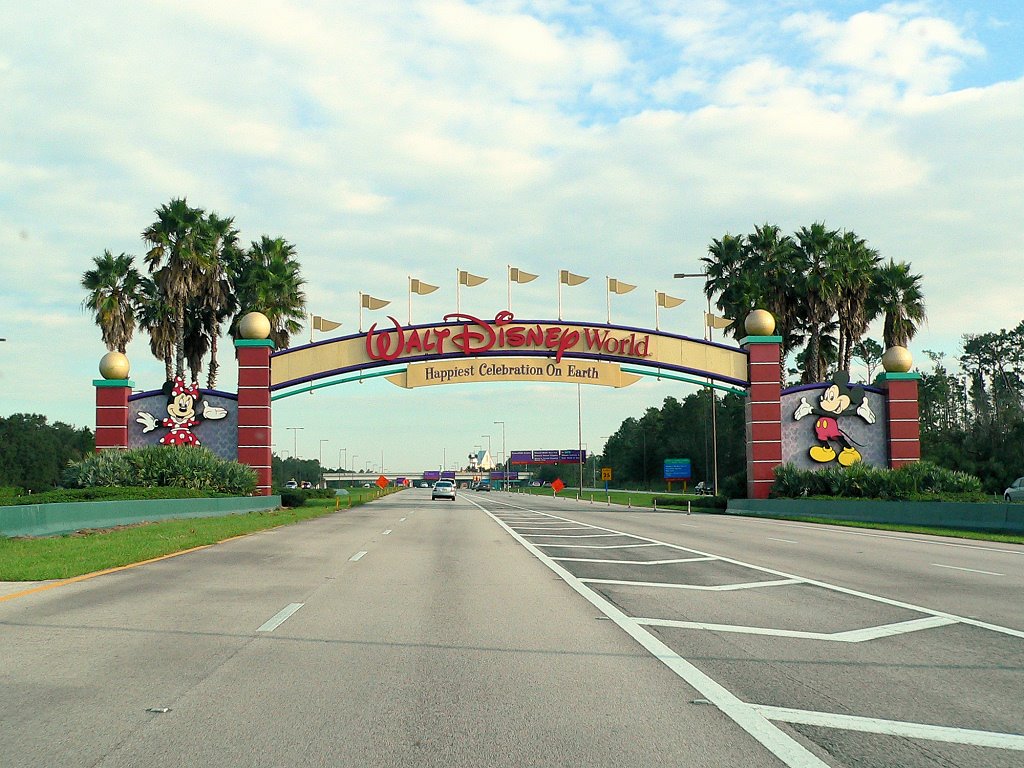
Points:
point(295, 440)
point(320, 462)
point(504, 468)
point(341, 451)
point(714, 399)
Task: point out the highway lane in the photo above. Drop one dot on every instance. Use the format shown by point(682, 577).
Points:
point(865, 645)
point(406, 632)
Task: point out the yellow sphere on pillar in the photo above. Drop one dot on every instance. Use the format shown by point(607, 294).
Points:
point(759, 323)
point(897, 360)
point(254, 325)
point(114, 365)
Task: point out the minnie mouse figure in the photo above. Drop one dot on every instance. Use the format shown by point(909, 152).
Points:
point(181, 414)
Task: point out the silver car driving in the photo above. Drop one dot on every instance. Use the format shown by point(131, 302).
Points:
point(443, 489)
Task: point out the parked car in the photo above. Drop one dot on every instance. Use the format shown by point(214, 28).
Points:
point(291, 484)
point(482, 487)
point(1016, 491)
point(443, 489)
point(306, 484)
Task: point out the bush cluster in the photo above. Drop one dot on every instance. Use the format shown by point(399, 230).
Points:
point(918, 480)
point(696, 502)
point(159, 466)
point(296, 497)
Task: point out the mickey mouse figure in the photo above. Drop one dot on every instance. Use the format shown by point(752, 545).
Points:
point(834, 401)
point(181, 414)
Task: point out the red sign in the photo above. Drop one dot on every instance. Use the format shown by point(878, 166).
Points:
point(382, 482)
point(476, 336)
point(558, 485)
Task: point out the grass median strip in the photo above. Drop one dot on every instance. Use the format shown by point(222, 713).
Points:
point(63, 557)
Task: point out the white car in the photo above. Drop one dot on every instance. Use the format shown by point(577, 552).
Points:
point(1016, 491)
point(443, 489)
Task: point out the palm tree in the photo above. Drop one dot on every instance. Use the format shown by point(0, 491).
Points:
point(268, 280)
point(814, 249)
point(215, 301)
point(773, 257)
point(897, 295)
point(156, 317)
point(179, 253)
point(729, 277)
point(855, 265)
point(112, 286)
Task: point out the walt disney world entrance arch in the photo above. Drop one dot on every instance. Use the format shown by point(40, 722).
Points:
point(883, 422)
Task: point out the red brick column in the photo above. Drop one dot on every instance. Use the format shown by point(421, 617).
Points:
point(904, 418)
point(763, 413)
point(112, 412)
point(254, 408)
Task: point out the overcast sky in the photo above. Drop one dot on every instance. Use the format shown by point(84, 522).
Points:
point(389, 139)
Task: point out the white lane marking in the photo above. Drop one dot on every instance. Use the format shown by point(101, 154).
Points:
point(566, 528)
point(969, 570)
point(851, 636)
point(279, 618)
point(385, 533)
point(826, 585)
point(633, 562)
point(788, 541)
point(715, 588)
point(895, 728)
point(572, 535)
point(774, 739)
point(597, 546)
point(357, 556)
point(823, 527)
point(402, 520)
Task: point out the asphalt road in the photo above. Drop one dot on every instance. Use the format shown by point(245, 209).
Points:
point(507, 630)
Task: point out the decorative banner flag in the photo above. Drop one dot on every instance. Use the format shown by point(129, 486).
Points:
point(619, 287)
point(565, 277)
point(666, 301)
point(465, 278)
point(369, 302)
point(519, 276)
point(716, 322)
point(323, 324)
point(421, 288)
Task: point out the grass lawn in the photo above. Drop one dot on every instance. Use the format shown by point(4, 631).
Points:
point(62, 557)
point(626, 498)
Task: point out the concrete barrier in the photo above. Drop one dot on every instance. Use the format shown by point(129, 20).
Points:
point(53, 519)
point(933, 514)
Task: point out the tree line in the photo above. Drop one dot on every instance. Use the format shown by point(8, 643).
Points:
point(198, 280)
point(34, 453)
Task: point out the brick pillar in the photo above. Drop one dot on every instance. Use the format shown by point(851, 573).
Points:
point(763, 413)
point(112, 412)
point(254, 408)
point(903, 417)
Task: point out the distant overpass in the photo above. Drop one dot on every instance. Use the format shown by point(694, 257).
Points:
point(346, 478)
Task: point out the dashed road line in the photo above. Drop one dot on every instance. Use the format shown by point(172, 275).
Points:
point(279, 618)
point(357, 556)
point(385, 533)
point(969, 570)
point(788, 541)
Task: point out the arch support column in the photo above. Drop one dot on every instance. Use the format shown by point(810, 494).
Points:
point(112, 412)
point(903, 415)
point(763, 411)
point(254, 427)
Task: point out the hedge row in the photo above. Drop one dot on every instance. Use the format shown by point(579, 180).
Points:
point(129, 493)
point(159, 466)
point(697, 502)
point(918, 480)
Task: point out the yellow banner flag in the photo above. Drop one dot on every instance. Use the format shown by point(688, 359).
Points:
point(371, 303)
point(323, 324)
point(421, 288)
point(565, 277)
point(465, 278)
point(666, 301)
point(716, 322)
point(619, 287)
point(519, 276)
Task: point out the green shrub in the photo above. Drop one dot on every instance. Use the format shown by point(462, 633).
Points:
point(918, 480)
point(159, 466)
point(293, 497)
point(696, 502)
point(9, 490)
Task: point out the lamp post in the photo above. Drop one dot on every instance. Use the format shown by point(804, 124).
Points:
point(295, 440)
point(320, 461)
point(340, 465)
point(714, 399)
point(504, 469)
